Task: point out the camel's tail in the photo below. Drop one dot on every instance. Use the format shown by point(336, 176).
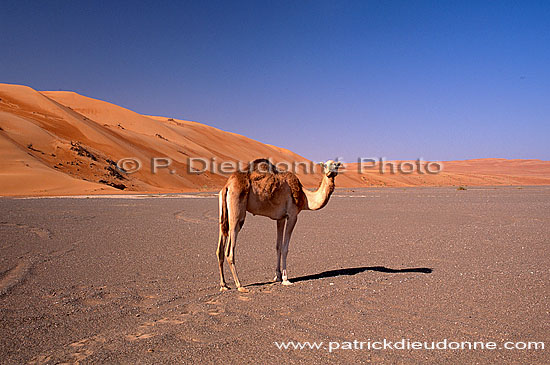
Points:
point(224, 220)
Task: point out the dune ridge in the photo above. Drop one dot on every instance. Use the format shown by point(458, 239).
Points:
point(60, 142)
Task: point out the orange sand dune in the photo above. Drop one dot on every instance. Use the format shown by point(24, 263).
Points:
point(56, 143)
point(479, 172)
point(500, 166)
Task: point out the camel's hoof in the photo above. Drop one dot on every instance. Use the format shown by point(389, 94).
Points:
point(286, 282)
point(224, 288)
point(277, 279)
point(243, 289)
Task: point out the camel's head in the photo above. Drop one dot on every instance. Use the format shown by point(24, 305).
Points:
point(330, 168)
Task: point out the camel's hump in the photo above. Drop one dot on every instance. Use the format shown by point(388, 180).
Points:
point(262, 165)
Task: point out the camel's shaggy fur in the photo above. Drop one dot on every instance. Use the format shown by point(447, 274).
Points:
point(266, 179)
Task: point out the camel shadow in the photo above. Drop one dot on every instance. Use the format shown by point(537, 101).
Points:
point(352, 271)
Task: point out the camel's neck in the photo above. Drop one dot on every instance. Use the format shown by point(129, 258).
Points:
point(319, 198)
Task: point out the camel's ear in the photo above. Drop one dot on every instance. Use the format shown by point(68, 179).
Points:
point(323, 165)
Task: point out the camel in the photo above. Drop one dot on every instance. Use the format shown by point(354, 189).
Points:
point(264, 190)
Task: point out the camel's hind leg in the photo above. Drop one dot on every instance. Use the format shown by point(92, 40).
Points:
point(222, 239)
point(237, 214)
point(220, 253)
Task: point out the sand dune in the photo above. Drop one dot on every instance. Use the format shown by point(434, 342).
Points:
point(64, 143)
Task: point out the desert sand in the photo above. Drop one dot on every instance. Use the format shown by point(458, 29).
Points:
point(124, 271)
point(135, 280)
point(63, 143)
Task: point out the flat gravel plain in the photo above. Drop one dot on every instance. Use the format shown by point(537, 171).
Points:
point(135, 279)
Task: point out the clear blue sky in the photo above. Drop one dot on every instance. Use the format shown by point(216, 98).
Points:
point(400, 79)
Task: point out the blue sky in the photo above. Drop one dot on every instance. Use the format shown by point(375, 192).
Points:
point(439, 80)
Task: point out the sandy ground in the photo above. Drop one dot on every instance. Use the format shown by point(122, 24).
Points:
point(136, 281)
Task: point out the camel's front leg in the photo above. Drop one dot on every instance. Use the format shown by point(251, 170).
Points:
point(280, 231)
point(291, 222)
